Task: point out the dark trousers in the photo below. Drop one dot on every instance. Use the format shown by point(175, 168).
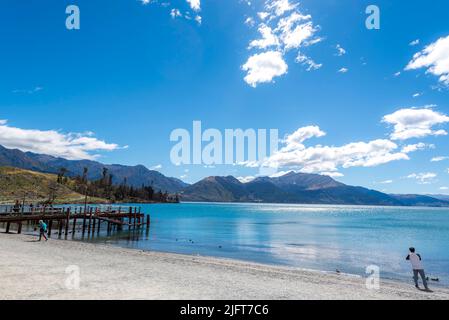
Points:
point(42, 234)
point(423, 277)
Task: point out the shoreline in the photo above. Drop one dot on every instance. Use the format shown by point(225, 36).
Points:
point(40, 270)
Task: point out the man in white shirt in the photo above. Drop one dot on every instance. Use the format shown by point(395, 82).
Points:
point(415, 260)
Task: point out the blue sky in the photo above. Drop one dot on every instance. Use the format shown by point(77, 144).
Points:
point(133, 73)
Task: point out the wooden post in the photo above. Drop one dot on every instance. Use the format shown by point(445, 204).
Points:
point(148, 220)
point(50, 224)
point(19, 229)
point(59, 228)
point(90, 221)
point(84, 220)
point(67, 222)
point(98, 227)
point(74, 225)
point(8, 224)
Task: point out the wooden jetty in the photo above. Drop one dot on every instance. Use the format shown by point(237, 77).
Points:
point(85, 219)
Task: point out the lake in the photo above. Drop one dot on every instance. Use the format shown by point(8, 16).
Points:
point(347, 238)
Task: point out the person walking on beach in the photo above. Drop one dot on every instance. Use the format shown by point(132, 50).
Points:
point(415, 260)
point(42, 230)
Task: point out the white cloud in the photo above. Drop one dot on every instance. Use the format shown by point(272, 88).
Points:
point(268, 38)
point(332, 174)
point(397, 74)
point(343, 70)
point(263, 67)
point(73, 146)
point(174, 13)
point(145, 2)
point(414, 43)
point(415, 123)
point(438, 159)
point(29, 91)
point(250, 22)
point(444, 188)
point(435, 58)
point(319, 159)
point(311, 65)
point(194, 4)
point(295, 140)
point(295, 155)
point(423, 178)
point(279, 7)
point(340, 51)
point(415, 147)
point(156, 167)
point(282, 27)
point(386, 182)
point(198, 19)
point(416, 95)
point(246, 179)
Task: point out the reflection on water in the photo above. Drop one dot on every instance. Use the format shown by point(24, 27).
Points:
point(327, 238)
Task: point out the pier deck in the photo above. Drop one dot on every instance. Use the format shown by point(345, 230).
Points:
point(89, 219)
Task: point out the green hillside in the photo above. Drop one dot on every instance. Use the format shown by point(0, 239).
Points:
point(15, 184)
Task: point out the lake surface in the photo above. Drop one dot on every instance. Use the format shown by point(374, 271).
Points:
point(346, 238)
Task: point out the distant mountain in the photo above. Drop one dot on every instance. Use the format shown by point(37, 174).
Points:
point(297, 188)
point(444, 197)
point(420, 200)
point(135, 175)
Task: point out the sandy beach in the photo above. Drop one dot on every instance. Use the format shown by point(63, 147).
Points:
point(39, 270)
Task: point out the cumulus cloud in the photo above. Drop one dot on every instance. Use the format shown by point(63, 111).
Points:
point(263, 67)
point(268, 39)
point(415, 123)
point(318, 159)
point(416, 147)
point(423, 178)
point(282, 28)
point(194, 4)
point(295, 155)
point(343, 70)
point(435, 58)
point(73, 146)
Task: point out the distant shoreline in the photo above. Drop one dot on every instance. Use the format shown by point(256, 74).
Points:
point(37, 270)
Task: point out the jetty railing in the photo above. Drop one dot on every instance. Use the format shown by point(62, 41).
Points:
point(66, 219)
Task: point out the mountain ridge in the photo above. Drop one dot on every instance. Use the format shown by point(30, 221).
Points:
point(135, 175)
point(298, 188)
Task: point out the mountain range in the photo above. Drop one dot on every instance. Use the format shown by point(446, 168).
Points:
point(289, 188)
point(135, 175)
point(298, 188)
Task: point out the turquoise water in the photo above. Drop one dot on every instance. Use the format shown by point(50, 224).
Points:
point(318, 237)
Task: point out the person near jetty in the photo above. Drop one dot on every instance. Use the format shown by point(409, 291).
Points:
point(42, 230)
point(415, 260)
point(16, 207)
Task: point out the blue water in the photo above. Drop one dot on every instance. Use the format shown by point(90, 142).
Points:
point(318, 237)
